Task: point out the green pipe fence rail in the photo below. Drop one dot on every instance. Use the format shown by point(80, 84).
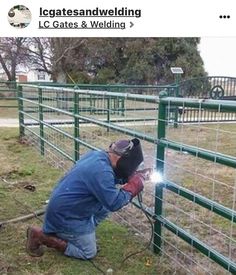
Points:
point(64, 129)
point(65, 101)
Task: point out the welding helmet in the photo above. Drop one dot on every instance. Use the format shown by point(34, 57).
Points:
point(131, 156)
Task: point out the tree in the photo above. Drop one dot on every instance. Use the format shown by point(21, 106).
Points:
point(55, 56)
point(64, 56)
point(139, 60)
point(39, 54)
point(150, 59)
point(12, 54)
point(103, 60)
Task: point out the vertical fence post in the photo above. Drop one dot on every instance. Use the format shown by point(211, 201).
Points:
point(176, 108)
point(21, 110)
point(76, 126)
point(91, 104)
point(160, 169)
point(41, 126)
point(108, 111)
point(177, 80)
point(123, 107)
point(15, 88)
point(121, 102)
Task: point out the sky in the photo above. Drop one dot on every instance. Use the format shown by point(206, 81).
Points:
point(219, 55)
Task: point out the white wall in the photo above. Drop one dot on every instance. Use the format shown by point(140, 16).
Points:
point(36, 76)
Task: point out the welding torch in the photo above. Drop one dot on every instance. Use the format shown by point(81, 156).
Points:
point(150, 174)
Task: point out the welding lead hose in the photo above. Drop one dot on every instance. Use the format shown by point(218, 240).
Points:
point(24, 218)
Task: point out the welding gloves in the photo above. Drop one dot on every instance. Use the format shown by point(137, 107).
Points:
point(134, 184)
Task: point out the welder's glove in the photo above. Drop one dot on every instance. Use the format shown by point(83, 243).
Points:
point(134, 184)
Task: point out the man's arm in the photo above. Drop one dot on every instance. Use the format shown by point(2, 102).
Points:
point(104, 189)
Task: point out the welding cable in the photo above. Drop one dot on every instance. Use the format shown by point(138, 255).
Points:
point(97, 267)
point(152, 232)
point(139, 251)
point(36, 214)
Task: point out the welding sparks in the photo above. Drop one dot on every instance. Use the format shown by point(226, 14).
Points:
point(156, 177)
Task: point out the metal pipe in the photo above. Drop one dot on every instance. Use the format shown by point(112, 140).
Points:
point(198, 152)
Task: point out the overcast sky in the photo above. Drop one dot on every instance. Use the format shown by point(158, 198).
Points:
point(219, 55)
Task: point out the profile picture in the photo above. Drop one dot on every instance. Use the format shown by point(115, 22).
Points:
point(19, 16)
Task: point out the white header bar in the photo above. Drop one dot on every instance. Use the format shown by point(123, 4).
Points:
point(123, 18)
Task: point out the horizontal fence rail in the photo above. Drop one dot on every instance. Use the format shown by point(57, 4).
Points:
point(44, 106)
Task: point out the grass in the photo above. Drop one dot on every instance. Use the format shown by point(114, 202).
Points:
point(211, 180)
point(21, 166)
point(203, 177)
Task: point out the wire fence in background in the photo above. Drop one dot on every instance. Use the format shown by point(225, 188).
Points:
point(193, 206)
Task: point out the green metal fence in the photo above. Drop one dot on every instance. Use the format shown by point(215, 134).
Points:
point(197, 163)
point(58, 110)
point(218, 158)
point(223, 88)
point(211, 87)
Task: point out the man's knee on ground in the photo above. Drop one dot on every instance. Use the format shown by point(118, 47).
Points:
point(89, 253)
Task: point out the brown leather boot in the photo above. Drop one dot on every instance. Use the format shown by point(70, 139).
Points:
point(33, 245)
point(54, 242)
point(36, 238)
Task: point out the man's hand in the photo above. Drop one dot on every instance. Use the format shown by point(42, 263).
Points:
point(135, 184)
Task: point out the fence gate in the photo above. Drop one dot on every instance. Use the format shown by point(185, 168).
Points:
point(216, 88)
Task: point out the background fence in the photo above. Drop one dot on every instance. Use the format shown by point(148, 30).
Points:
point(195, 199)
point(223, 88)
point(212, 87)
point(8, 98)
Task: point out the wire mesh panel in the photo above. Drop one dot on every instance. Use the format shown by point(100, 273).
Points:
point(198, 191)
point(72, 121)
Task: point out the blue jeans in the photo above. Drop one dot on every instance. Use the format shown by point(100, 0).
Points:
point(83, 246)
